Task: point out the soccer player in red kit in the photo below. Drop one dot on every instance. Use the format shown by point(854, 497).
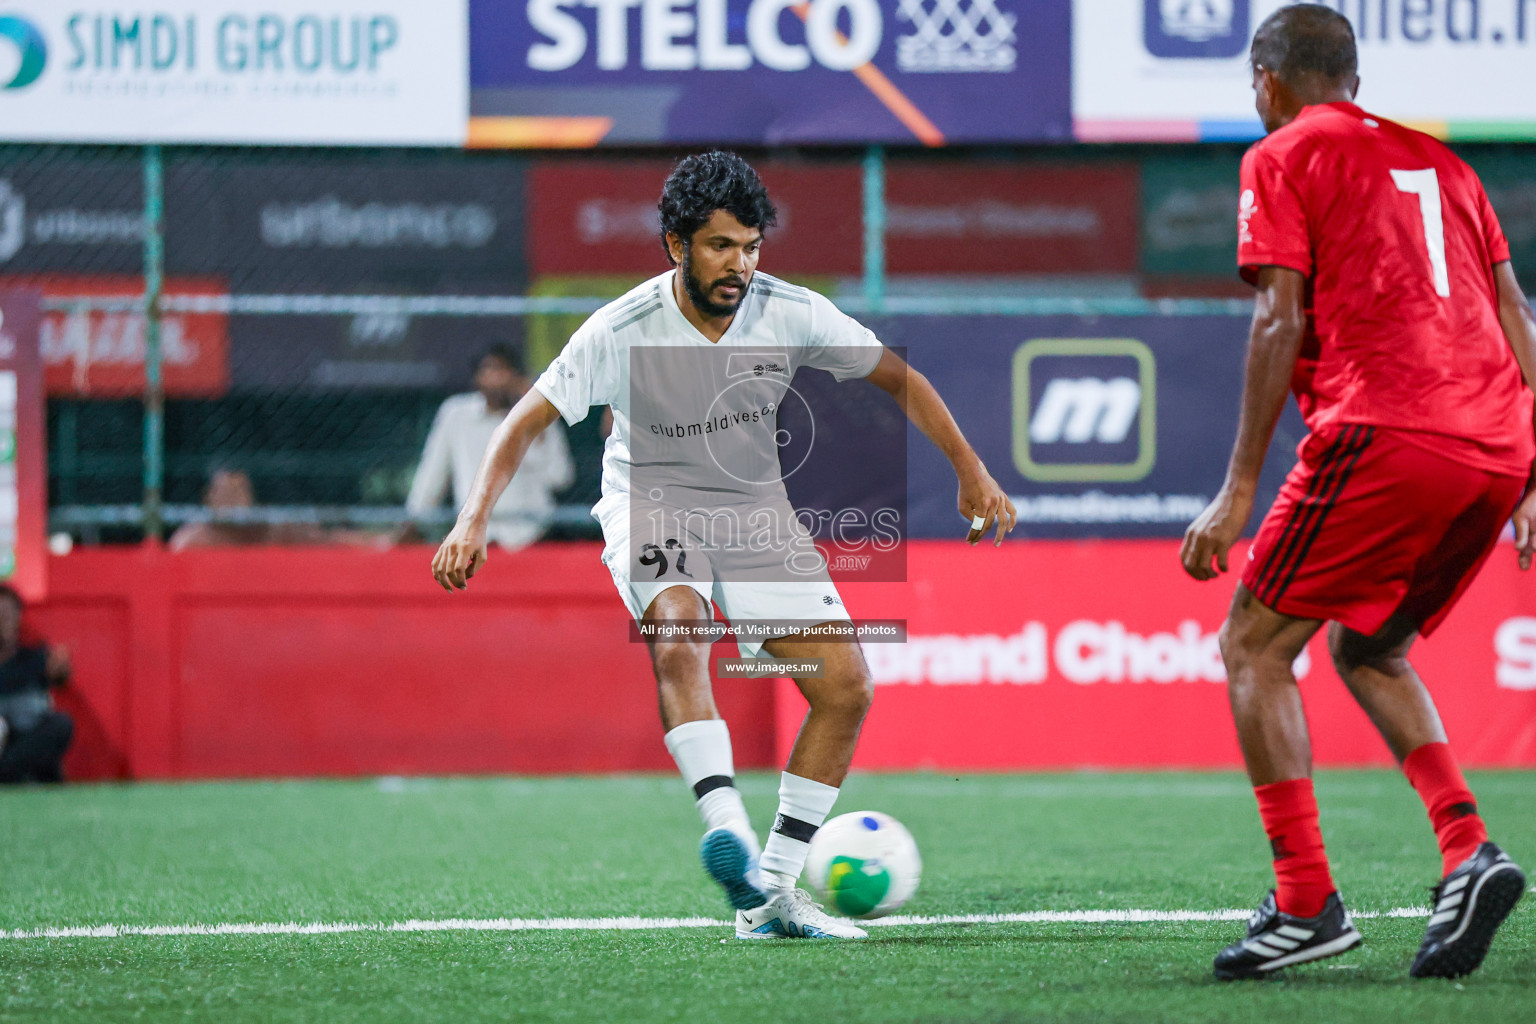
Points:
point(1386, 302)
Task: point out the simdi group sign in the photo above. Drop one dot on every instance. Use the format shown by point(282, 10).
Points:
point(347, 72)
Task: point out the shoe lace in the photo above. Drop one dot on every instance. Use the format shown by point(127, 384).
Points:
point(1260, 915)
point(800, 901)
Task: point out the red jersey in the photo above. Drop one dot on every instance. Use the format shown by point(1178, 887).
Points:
point(1398, 242)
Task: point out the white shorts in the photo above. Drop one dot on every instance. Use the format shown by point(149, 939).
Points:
point(642, 570)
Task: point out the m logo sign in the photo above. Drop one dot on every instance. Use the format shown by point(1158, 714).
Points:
point(1084, 409)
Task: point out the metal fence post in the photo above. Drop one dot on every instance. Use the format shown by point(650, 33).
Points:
point(874, 228)
point(154, 384)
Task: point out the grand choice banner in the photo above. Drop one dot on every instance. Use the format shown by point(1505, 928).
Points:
point(589, 72)
point(1104, 654)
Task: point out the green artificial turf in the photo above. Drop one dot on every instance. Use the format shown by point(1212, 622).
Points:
point(378, 851)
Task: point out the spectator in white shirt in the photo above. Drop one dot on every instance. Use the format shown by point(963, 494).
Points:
point(461, 432)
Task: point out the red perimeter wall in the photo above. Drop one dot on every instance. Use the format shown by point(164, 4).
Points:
point(295, 661)
point(334, 661)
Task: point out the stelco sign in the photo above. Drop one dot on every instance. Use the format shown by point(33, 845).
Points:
point(770, 71)
point(684, 35)
point(687, 35)
point(285, 71)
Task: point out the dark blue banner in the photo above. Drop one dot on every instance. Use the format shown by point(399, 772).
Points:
point(1097, 426)
point(769, 71)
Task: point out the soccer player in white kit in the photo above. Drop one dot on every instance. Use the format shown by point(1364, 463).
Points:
point(693, 364)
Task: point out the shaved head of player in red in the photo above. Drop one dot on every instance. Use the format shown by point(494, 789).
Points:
point(1301, 55)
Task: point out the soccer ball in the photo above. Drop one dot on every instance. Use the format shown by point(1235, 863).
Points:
point(864, 864)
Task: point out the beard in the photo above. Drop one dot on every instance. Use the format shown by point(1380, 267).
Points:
point(699, 295)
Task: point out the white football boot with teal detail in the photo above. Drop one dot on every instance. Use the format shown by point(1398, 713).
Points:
point(792, 914)
point(732, 862)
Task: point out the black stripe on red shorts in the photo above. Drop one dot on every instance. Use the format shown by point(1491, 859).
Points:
point(1307, 517)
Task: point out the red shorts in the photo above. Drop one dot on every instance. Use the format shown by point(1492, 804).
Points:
point(1370, 523)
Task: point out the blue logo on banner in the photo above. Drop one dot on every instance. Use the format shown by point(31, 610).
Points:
point(1195, 28)
point(31, 47)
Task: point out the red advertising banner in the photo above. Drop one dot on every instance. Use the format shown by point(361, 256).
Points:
point(591, 217)
point(101, 354)
point(1104, 654)
point(950, 218)
point(23, 447)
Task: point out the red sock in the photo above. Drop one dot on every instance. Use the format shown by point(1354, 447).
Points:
point(1433, 771)
point(1302, 881)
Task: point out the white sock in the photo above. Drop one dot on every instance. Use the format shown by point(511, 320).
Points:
point(702, 751)
point(803, 806)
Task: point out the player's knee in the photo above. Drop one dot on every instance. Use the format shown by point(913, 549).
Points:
point(1244, 648)
point(851, 693)
point(1352, 652)
point(1340, 650)
point(1237, 646)
point(863, 689)
point(1226, 643)
point(680, 665)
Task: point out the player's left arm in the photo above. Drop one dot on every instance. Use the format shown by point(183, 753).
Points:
point(1519, 325)
point(980, 495)
point(1274, 343)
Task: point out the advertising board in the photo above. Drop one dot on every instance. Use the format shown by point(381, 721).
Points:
point(1096, 426)
point(597, 217)
point(561, 72)
point(23, 444)
point(1105, 655)
point(1169, 70)
point(343, 72)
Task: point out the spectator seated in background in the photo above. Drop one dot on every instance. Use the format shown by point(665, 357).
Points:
point(460, 434)
point(230, 490)
point(33, 734)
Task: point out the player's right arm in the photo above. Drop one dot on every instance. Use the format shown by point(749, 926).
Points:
point(463, 551)
point(1274, 343)
point(583, 375)
point(1519, 325)
point(980, 497)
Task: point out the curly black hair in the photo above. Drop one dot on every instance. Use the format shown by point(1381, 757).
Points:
point(705, 182)
point(1306, 41)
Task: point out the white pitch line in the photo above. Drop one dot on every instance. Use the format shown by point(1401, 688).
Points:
point(630, 924)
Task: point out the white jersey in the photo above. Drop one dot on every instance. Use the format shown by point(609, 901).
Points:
point(695, 421)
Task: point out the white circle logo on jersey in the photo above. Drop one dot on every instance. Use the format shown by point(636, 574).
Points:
point(720, 444)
